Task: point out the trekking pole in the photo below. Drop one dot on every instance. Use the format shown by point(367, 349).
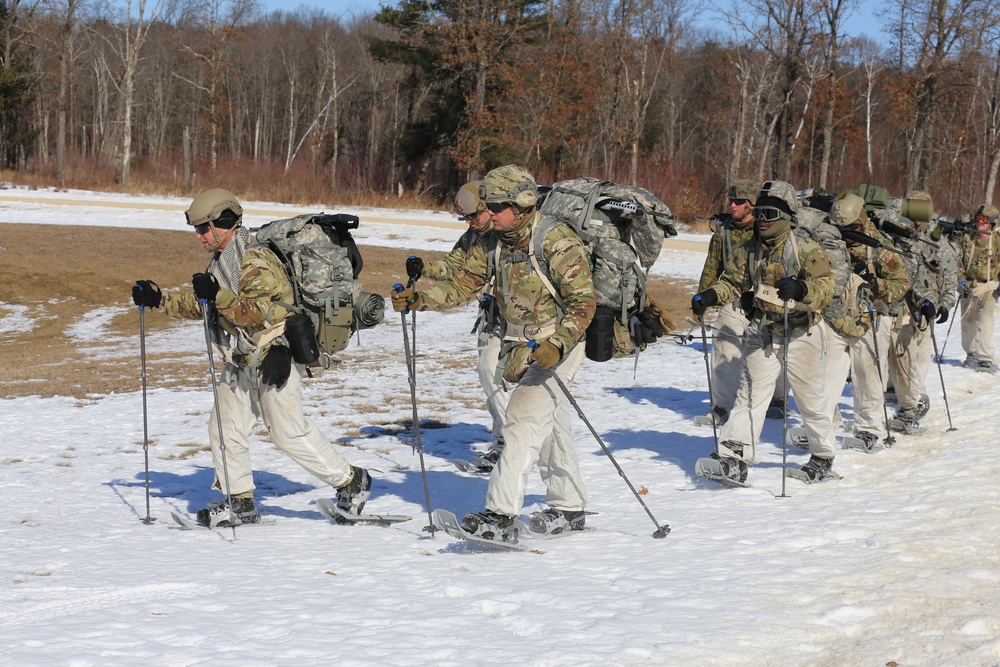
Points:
point(411, 372)
point(947, 409)
point(218, 409)
point(889, 439)
point(661, 531)
point(951, 324)
point(708, 372)
point(784, 413)
point(413, 325)
point(145, 421)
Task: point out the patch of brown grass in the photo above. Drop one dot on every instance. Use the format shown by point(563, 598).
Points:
point(63, 272)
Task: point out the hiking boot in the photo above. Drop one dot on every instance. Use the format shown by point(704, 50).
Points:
point(923, 406)
point(734, 469)
point(870, 440)
point(818, 469)
point(554, 522)
point(352, 496)
point(908, 418)
point(490, 525)
point(488, 460)
point(776, 410)
point(219, 513)
point(971, 361)
point(985, 366)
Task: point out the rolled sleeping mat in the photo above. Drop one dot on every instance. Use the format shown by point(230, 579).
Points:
point(369, 310)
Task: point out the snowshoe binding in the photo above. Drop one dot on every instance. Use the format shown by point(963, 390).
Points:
point(906, 421)
point(222, 514)
point(554, 522)
point(490, 525)
point(814, 470)
point(865, 441)
point(986, 366)
point(352, 496)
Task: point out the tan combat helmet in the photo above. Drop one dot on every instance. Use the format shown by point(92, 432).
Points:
point(848, 209)
point(509, 185)
point(210, 207)
point(467, 201)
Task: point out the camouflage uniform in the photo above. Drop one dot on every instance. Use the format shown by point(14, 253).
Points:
point(252, 280)
point(730, 326)
point(487, 326)
point(538, 415)
point(852, 343)
point(933, 272)
point(980, 270)
point(757, 266)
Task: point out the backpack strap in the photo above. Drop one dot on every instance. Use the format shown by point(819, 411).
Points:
point(537, 257)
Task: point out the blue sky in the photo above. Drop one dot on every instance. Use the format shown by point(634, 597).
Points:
point(862, 22)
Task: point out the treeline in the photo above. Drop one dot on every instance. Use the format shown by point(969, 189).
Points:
point(424, 95)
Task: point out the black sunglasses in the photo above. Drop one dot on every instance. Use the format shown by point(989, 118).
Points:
point(202, 229)
point(497, 206)
point(739, 202)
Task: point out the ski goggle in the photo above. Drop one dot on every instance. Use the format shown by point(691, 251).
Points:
point(769, 213)
point(497, 206)
point(983, 220)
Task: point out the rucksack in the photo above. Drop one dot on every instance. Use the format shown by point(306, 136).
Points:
point(850, 293)
point(323, 263)
point(622, 228)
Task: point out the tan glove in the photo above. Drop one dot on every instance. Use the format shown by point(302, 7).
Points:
point(546, 355)
point(406, 299)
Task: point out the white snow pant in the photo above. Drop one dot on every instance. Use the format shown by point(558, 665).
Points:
point(493, 384)
point(977, 326)
point(909, 361)
point(856, 356)
point(538, 429)
point(762, 370)
point(727, 357)
point(292, 432)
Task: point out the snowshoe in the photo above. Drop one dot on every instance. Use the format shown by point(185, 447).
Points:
point(487, 461)
point(352, 496)
point(490, 525)
point(906, 421)
point(863, 440)
point(798, 436)
point(717, 415)
point(814, 470)
point(986, 366)
point(220, 514)
point(923, 406)
point(553, 522)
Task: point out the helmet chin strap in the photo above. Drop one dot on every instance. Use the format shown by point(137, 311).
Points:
point(219, 242)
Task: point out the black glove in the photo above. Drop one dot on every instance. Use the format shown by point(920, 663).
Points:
point(928, 311)
point(646, 328)
point(791, 289)
point(146, 294)
point(942, 314)
point(862, 270)
point(748, 304)
point(275, 366)
point(205, 286)
point(414, 267)
point(703, 301)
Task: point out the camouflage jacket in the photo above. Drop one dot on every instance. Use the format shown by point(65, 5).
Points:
point(252, 307)
point(757, 263)
point(888, 267)
point(980, 259)
point(522, 295)
point(933, 272)
point(720, 250)
point(444, 269)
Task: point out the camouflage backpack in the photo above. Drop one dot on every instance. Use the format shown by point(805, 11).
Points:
point(323, 262)
point(622, 228)
point(840, 313)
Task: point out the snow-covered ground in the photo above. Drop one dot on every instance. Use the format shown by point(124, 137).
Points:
point(896, 563)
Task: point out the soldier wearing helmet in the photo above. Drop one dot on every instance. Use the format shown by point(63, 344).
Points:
point(471, 210)
point(979, 268)
point(783, 276)
point(246, 291)
point(732, 230)
point(538, 416)
point(933, 271)
point(878, 278)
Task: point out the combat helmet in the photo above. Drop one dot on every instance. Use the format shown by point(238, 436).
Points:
point(847, 209)
point(989, 212)
point(779, 195)
point(467, 201)
point(216, 207)
point(509, 185)
point(743, 190)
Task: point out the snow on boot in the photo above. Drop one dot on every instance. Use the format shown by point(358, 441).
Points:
point(490, 525)
point(734, 469)
point(554, 522)
point(219, 513)
point(971, 361)
point(487, 461)
point(352, 496)
point(818, 469)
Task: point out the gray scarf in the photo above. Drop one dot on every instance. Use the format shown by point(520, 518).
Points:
point(225, 266)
